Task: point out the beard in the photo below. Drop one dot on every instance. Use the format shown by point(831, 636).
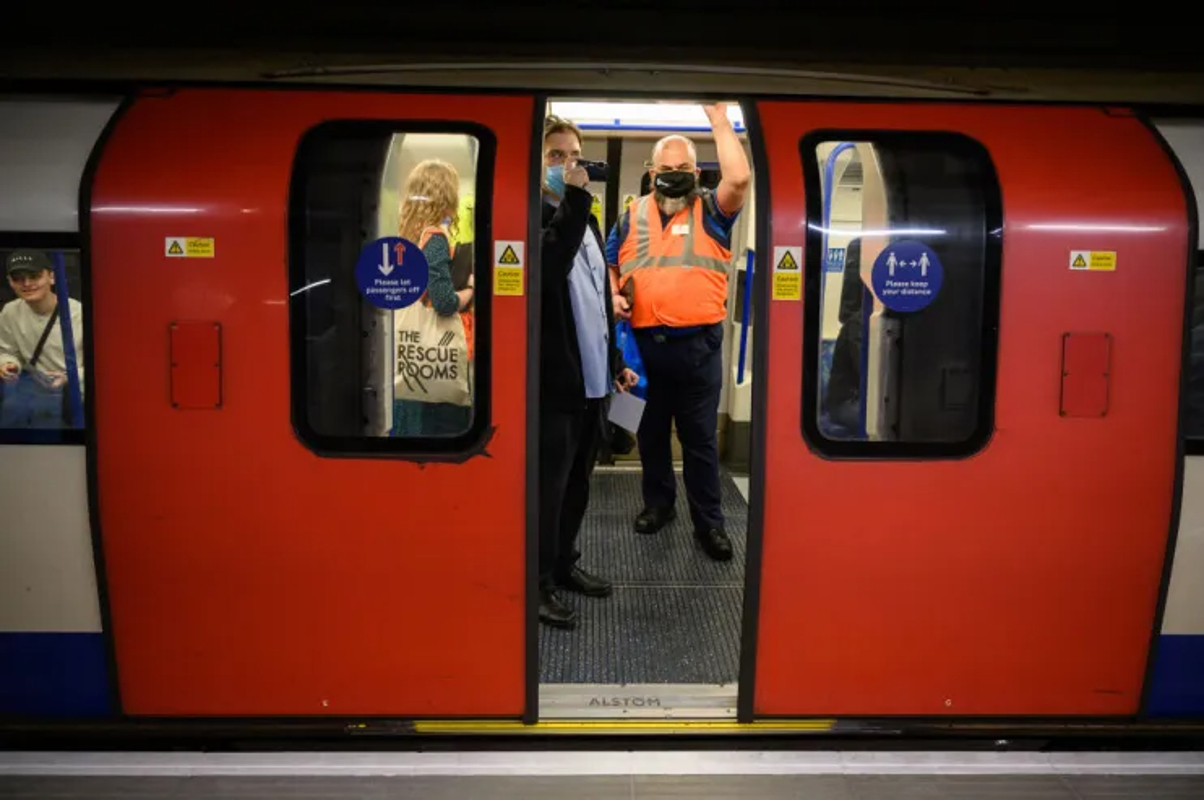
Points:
point(673, 205)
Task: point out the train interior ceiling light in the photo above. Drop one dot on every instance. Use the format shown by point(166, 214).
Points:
point(642, 116)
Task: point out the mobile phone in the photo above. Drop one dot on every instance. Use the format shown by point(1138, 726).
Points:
point(597, 171)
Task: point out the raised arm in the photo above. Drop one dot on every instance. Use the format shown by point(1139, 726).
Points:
point(735, 173)
point(561, 237)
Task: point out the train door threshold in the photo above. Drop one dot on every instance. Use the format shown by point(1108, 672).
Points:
point(637, 701)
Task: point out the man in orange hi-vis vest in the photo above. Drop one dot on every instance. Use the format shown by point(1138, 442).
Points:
point(672, 252)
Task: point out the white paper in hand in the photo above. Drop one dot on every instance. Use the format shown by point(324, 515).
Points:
point(626, 410)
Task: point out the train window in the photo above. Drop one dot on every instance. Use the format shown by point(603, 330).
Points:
point(42, 375)
point(902, 302)
point(388, 226)
point(1195, 372)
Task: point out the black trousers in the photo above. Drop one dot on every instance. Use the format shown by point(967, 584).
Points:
point(685, 378)
point(568, 449)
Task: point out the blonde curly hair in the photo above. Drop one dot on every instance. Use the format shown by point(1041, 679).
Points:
point(432, 192)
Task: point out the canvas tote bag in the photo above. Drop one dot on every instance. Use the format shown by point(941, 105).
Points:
point(432, 356)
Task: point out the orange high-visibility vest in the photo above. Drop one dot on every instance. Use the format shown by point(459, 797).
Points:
point(466, 316)
point(678, 275)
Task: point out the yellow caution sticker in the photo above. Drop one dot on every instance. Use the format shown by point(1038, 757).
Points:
point(188, 247)
point(1093, 260)
point(508, 268)
point(787, 273)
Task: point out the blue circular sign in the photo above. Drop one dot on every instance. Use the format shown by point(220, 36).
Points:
point(391, 272)
point(907, 276)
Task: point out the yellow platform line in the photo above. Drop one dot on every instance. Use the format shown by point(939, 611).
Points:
point(621, 726)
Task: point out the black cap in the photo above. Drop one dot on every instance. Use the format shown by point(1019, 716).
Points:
point(28, 261)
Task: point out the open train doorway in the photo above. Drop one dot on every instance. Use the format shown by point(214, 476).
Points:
point(659, 633)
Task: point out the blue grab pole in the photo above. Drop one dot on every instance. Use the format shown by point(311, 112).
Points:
point(867, 310)
point(744, 319)
point(74, 400)
point(829, 189)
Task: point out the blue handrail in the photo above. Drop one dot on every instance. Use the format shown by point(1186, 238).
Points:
point(829, 189)
point(867, 311)
point(744, 317)
point(74, 399)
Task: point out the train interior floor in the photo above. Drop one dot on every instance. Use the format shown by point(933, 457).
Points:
point(674, 618)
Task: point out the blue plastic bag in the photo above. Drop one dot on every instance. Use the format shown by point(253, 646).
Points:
point(26, 403)
point(625, 339)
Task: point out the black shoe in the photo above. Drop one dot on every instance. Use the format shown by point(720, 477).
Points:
point(555, 613)
point(653, 519)
point(715, 543)
point(581, 582)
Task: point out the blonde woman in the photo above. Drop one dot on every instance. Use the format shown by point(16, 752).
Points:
point(429, 206)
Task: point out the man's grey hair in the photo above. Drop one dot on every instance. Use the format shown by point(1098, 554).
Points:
point(675, 137)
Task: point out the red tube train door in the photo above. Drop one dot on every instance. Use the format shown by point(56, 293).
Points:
point(283, 535)
point(967, 471)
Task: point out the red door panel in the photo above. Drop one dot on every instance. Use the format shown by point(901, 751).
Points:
point(1021, 579)
point(248, 575)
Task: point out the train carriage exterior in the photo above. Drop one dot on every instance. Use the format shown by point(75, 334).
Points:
point(1014, 530)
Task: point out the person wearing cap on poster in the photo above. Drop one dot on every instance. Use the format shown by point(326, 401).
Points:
point(33, 364)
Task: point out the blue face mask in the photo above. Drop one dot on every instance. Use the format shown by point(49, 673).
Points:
point(447, 222)
point(554, 178)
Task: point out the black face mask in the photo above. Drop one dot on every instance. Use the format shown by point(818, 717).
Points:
point(674, 184)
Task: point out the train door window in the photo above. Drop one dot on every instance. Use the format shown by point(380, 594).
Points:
point(1195, 372)
point(902, 269)
point(42, 374)
point(386, 312)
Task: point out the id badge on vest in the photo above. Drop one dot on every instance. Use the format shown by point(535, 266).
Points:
point(680, 229)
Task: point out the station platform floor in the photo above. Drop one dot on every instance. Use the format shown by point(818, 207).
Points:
point(604, 775)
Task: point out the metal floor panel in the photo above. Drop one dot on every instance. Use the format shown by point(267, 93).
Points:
point(675, 614)
point(683, 634)
point(610, 545)
point(610, 787)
